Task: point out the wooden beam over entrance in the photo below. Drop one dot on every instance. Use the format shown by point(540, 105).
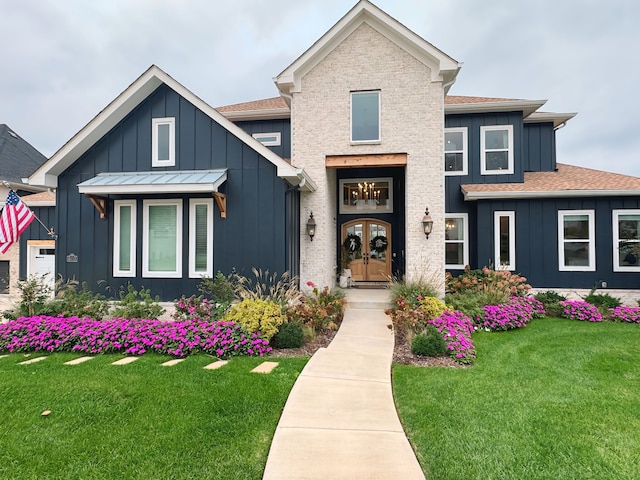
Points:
point(372, 160)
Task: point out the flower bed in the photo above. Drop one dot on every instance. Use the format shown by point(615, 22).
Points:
point(130, 336)
point(625, 314)
point(515, 314)
point(580, 310)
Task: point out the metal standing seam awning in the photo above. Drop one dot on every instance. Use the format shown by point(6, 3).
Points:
point(140, 183)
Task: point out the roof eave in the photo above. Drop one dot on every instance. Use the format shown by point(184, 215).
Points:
point(527, 107)
point(267, 114)
point(473, 196)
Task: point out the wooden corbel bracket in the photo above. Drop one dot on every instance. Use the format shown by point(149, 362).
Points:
point(221, 201)
point(100, 203)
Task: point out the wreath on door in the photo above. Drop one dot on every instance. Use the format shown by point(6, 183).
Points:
point(379, 244)
point(352, 243)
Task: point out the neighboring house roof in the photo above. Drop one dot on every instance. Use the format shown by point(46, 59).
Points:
point(42, 199)
point(277, 107)
point(566, 181)
point(125, 103)
point(18, 159)
point(443, 68)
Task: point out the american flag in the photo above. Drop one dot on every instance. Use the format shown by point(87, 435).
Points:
point(15, 218)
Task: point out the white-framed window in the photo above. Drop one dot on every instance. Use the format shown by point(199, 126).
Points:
point(505, 240)
point(162, 238)
point(456, 240)
point(365, 116)
point(163, 138)
point(496, 149)
point(366, 195)
point(626, 240)
point(272, 139)
point(576, 241)
point(200, 237)
point(124, 238)
point(455, 151)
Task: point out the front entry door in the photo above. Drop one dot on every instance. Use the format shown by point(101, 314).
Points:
point(367, 246)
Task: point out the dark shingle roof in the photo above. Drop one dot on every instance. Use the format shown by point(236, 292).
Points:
point(18, 159)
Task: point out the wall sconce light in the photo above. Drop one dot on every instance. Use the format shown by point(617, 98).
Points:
point(427, 222)
point(311, 227)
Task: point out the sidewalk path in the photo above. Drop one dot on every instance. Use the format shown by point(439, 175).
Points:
point(340, 421)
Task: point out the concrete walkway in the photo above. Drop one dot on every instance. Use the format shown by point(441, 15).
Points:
point(340, 420)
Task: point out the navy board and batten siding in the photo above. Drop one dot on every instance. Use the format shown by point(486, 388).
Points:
point(536, 248)
point(281, 126)
point(254, 234)
point(539, 147)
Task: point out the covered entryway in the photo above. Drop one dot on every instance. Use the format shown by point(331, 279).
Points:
point(366, 245)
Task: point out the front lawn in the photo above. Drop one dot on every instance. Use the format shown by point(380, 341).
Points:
point(559, 399)
point(141, 420)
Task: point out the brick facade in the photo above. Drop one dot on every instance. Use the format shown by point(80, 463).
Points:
point(412, 122)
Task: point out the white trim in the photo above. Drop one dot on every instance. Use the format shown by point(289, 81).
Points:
point(483, 150)
point(369, 140)
point(496, 195)
point(263, 139)
point(358, 211)
point(116, 238)
point(465, 240)
point(511, 215)
point(590, 243)
point(465, 151)
point(145, 239)
point(616, 240)
point(193, 273)
point(527, 107)
point(155, 124)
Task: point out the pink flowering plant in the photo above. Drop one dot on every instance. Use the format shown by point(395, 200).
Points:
point(626, 314)
point(456, 328)
point(580, 310)
point(130, 336)
point(515, 313)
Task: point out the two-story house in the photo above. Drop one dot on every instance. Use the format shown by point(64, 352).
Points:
point(363, 161)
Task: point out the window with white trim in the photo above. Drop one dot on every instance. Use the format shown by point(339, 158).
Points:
point(163, 138)
point(272, 139)
point(200, 237)
point(496, 149)
point(455, 151)
point(162, 238)
point(365, 116)
point(576, 240)
point(505, 240)
point(626, 240)
point(124, 238)
point(456, 240)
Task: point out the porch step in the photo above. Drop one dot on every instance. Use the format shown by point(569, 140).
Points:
point(367, 298)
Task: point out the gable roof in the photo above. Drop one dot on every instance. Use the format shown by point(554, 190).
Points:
point(443, 67)
point(18, 159)
point(125, 103)
point(565, 181)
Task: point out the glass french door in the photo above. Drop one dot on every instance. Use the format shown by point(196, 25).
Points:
point(367, 246)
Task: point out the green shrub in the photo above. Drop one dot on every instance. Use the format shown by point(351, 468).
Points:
point(603, 301)
point(499, 285)
point(134, 304)
point(468, 302)
point(35, 292)
point(410, 293)
point(257, 315)
point(551, 302)
point(431, 343)
point(290, 335)
point(323, 310)
point(219, 288)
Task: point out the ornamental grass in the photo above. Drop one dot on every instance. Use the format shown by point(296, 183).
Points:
point(130, 336)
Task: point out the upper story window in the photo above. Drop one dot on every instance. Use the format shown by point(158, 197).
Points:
point(455, 151)
point(163, 151)
point(626, 240)
point(365, 116)
point(272, 139)
point(576, 240)
point(496, 149)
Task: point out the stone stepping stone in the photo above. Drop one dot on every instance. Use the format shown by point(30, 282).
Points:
point(2, 356)
point(78, 361)
point(216, 365)
point(173, 362)
point(33, 360)
point(265, 367)
point(125, 361)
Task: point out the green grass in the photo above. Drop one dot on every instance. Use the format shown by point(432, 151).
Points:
point(558, 399)
point(141, 420)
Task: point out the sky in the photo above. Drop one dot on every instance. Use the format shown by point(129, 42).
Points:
point(63, 61)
